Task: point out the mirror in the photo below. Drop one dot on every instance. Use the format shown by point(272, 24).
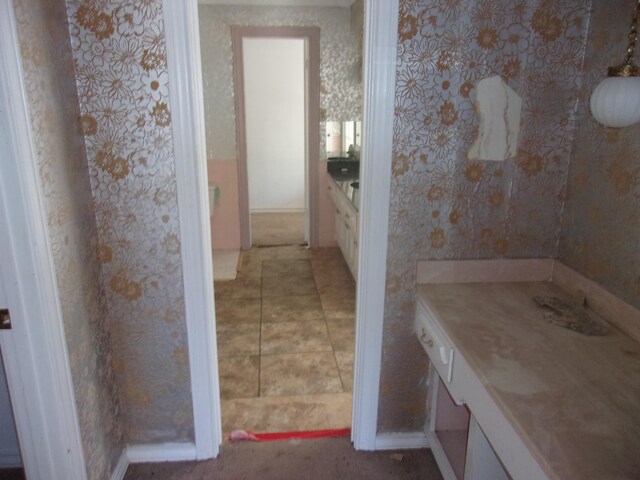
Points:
point(344, 139)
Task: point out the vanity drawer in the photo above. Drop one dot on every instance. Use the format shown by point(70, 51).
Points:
point(434, 341)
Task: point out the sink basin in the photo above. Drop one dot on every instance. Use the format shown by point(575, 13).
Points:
point(343, 166)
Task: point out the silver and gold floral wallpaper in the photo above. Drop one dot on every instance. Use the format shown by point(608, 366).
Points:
point(107, 170)
point(121, 74)
point(340, 60)
point(601, 224)
point(64, 177)
point(446, 207)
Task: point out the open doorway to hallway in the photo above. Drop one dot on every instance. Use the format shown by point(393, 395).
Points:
point(274, 81)
point(286, 322)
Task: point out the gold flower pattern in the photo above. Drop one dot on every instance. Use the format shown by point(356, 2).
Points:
point(340, 54)
point(57, 127)
point(515, 208)
point(120, 60)
point(601, 221)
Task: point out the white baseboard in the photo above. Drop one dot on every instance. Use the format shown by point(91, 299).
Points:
point(165, 452)
point(10, 458)
point(401, 441)
point(121, 467)
point(277, 210)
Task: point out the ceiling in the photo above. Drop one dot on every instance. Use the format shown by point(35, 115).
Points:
point(289, 3)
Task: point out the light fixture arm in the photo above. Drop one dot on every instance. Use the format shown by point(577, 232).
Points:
point(628, 67)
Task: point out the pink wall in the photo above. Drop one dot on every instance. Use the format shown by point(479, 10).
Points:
point(225, 222)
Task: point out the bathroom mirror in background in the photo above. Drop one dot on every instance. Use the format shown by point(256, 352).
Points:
point(341, 136)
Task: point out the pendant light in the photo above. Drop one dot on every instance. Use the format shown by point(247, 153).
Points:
point(615, 102)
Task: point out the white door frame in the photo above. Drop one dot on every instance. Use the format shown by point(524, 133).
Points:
point(379, 81)
point(187, 107)
point(34, 350)
point(311, 35)
point(185, 80)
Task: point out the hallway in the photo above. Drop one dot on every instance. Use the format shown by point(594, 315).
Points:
point(286, 334)
point(321, 459)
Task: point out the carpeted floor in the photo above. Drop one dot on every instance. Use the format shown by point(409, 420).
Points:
point(11, 474)
point(327, 458)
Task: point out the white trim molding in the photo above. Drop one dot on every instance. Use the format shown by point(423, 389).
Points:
point(34, 350)
point(187, 107)
point(402, 441)
point(165, 452)
point(120, 470)
point(147, 453)
point(10, 458)
point(380, 55)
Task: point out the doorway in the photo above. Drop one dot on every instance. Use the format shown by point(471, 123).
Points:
point(185, 71)
point(10, 459)
point(311, 38)
point(285, 324)
point(275, 112)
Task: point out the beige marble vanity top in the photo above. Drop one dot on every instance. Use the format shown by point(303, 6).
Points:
point(573, 399)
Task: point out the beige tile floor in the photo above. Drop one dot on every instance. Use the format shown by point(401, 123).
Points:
point(277, 228)
point(286, 333)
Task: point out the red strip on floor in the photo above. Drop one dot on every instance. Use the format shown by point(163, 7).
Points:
point(238, 435)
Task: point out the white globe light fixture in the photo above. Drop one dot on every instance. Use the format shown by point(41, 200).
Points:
point(615, 102)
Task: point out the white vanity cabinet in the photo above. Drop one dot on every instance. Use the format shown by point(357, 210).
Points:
point(513, 394)
point(459, 445)
point(346, 225)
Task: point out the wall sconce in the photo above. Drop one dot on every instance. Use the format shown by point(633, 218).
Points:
point(615, 102)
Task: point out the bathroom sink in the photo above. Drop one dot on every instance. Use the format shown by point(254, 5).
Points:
point(343, 166)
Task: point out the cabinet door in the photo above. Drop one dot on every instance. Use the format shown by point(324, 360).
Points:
point(482, 462)
point(337, 217)
point(354, 255)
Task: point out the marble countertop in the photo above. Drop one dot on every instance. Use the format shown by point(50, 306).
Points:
point(345, 183)
point(573, 399)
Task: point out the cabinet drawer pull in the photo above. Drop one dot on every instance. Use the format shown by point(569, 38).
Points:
point(425, 339)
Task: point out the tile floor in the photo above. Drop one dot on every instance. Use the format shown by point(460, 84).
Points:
point(286, 333)
point(277, 228)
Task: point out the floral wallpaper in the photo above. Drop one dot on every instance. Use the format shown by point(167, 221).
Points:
point(340, 61)
point(59, 147)
point(446, 207)
point(121, 74)
point(601, 224)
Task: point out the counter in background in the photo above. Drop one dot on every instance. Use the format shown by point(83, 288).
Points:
point(345, 193)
